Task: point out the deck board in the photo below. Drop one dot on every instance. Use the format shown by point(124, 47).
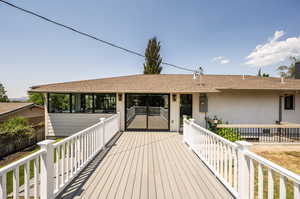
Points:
point(146, 165)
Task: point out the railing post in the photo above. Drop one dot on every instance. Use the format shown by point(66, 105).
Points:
point(102, 120)
point(184, 129)
point(243, 170)
point(47, 170)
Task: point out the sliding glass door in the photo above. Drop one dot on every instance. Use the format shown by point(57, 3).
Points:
point(147, 111)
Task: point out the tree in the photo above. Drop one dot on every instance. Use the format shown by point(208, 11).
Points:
point(260, 74)
point(3, 96)
point(288, 71)
point(36, 98)
point(152, 57)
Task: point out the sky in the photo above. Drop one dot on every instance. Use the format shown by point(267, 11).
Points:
point(223, 37)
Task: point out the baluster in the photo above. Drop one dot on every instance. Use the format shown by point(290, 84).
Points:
point(282, 187)
point(260, 181)
point(57, 169)
point(3, 193)
point(36, 177)
point(16, 182)
point(235, 170)
point(26, 180)
point(226, 162)
point(62, 164)
point(68, 160)
point(251, 183)
point(296, 191)
point(71, 157)
point(270, 184)
point(230, 165)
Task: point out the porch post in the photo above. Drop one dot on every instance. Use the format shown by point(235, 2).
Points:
point(47, 170)
point(243, 170)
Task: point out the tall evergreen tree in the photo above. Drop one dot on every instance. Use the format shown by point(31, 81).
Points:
point(259, 73)
point(152, 57)
point(3, 96)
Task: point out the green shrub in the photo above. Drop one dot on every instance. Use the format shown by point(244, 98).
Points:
point(228, 134)
point(16, 127)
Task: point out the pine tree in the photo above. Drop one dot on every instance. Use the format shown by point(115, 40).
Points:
point(3, 96)
point(259, 73)
point(152, 57)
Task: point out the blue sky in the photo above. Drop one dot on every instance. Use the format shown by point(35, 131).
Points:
point(217, 35)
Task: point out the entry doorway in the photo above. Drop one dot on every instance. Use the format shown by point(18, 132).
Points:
point(186, 107)
point(147, 112)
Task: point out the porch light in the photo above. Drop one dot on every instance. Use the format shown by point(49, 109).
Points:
point(174, 97)
point(120, 97)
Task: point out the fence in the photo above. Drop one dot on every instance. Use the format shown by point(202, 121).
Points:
point(244, 173)
point(48, 171)
point(265, 133)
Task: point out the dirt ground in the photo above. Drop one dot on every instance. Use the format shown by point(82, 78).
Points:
point(285, 155)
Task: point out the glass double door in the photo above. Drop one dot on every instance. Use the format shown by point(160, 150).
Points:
point(147, 111)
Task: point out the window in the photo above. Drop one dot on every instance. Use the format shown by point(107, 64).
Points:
point(289, 102)
point(59, 103)
point(105, 103)
point(82, 103)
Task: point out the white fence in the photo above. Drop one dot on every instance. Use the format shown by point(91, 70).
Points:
point(242, 172)
point(48, 171)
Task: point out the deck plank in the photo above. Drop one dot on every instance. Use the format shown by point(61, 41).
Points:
point(150, 165)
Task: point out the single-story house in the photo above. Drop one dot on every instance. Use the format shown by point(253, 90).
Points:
point(34, 113)
point(159, 102)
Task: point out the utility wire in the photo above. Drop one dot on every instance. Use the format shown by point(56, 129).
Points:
point(89, 35)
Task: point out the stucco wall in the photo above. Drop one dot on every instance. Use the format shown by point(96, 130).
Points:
point(244, 108)
point(174, 113)
point(66, 124)
point(121, 109)
point(292, 115)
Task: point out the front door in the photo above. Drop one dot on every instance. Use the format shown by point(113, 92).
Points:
point(186, 107)
point(147, 111)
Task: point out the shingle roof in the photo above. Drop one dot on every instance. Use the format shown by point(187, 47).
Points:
point(8, 107)
point(168, 83)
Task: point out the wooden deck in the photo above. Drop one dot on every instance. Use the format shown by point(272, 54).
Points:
point(146, 165)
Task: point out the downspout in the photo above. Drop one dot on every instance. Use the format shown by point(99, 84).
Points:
point(280, 110)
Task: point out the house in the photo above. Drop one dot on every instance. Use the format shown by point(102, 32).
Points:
point(34, 113)
point(159, 102)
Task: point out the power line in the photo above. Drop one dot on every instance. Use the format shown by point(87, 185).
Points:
point(89, 35)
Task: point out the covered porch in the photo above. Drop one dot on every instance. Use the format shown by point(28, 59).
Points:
point(146, 165)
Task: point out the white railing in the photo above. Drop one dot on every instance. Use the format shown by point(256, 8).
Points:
point(59, 162)
point(242, 172)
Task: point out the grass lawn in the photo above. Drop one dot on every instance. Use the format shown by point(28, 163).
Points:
point(287, 159)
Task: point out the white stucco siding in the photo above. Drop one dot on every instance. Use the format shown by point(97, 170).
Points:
point(244, 108)
point(66, 124)
point(197, 115)
point(121, 108)
point(292, 115)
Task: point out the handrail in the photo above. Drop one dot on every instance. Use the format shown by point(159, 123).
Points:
point(22, 161)
point(289, 174)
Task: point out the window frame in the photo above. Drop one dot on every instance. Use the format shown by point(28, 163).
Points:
point(285, 102)
point(84, 111)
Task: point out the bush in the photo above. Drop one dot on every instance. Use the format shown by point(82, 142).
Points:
point(16, 127)
point(228, 134)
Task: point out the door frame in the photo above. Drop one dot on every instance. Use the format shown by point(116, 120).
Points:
point(146, 129)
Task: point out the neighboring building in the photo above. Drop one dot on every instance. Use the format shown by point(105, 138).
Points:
point(158, 102)
point(34, 113)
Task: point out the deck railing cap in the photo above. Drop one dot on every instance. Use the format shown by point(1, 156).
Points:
point(243, 144)
point(45, 143)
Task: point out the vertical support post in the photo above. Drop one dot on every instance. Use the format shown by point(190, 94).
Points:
point(47, 170)
point(184, 131)
point(46, 114)
point(243, 170)
point(102, 120)
point(119, 120)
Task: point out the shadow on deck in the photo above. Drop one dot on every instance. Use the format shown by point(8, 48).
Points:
point(146, 165)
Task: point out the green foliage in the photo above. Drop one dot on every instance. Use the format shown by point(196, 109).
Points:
point(17, 127)
point(228, 134)
point(152, 57)
point(288, 71)
point(3, 96)
point(260, 74)
point(36, 98)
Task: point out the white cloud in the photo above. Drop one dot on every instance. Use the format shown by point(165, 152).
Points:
point(221, 60)
point(274, 51)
